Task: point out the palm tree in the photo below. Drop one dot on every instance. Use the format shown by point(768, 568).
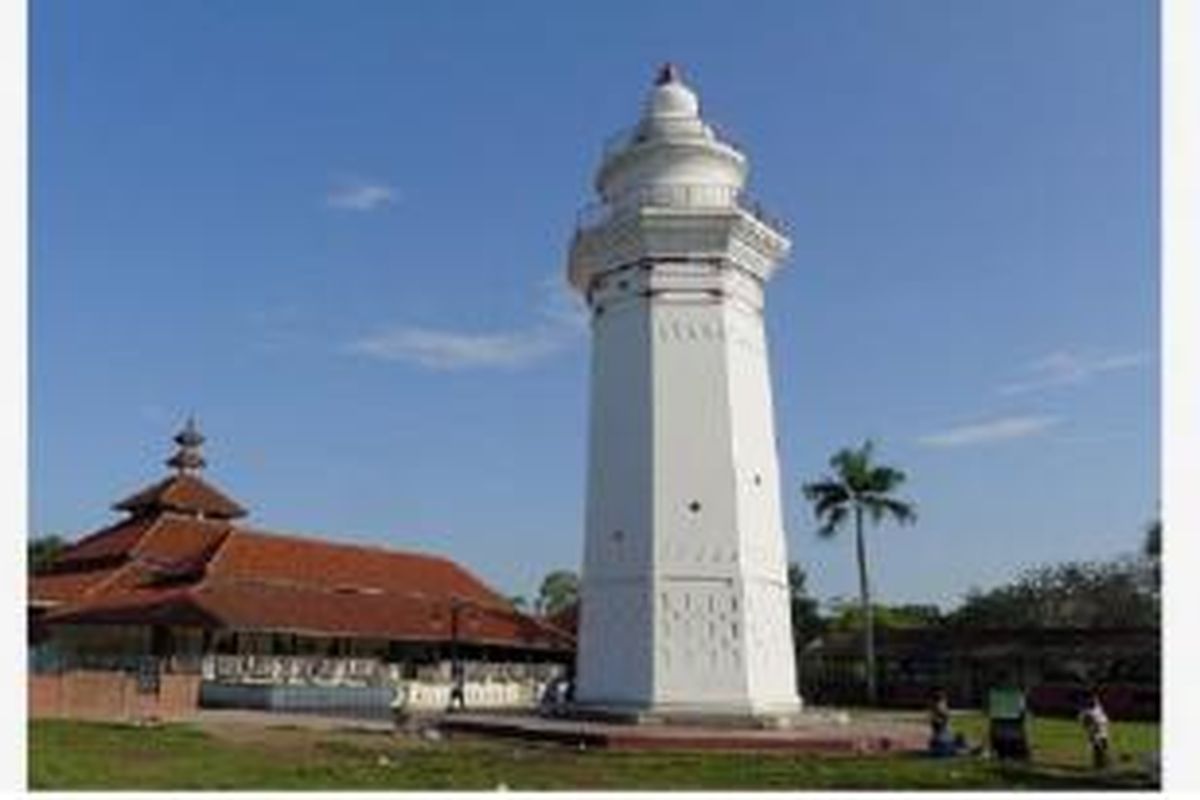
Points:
point(859, 486)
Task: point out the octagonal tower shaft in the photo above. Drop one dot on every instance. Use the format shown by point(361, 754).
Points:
point(685, 604)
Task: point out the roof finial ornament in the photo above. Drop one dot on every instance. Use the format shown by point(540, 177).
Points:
point(187, 458)
point(667, 73)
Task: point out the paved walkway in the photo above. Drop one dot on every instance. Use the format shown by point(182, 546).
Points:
point(816, 733)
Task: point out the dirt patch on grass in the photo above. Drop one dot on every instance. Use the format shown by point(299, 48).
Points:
point(299, 741)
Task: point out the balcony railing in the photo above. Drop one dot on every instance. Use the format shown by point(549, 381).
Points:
point(681, 196)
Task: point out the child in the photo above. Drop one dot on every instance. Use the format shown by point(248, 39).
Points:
point(1095, 723)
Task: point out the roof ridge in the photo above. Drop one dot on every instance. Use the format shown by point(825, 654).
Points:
point(130, 562)
point(218, 551)
point(108, 529)
point(173, 515)
point(89, 592)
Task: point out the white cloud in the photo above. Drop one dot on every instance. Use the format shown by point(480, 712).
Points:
point(996, 430)
point(445, 349)
point(359, 194)
point(563, 319)
point(1066, 368)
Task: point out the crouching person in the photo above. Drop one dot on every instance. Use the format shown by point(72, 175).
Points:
point(941, 740)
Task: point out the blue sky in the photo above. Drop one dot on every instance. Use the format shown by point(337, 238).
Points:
point(336, 232)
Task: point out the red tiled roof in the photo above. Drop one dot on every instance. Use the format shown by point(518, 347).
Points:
point(113, 543)
point(177, 539)
point(183, 492)
point(66, 587)
point(127, 555)
point(173, 606)
point(306, 609)
point(186, 571)
point(274, 558)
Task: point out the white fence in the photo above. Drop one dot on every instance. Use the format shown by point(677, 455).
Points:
point(487, 685)
point(422, 696)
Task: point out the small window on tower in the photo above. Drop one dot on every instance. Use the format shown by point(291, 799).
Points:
point(694, 506)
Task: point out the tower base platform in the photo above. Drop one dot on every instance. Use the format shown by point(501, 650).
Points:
point(811, 731)
point(782, 718)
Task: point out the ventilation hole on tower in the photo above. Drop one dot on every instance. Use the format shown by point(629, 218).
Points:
point(694, 506)
point(757, 480)
point(622, 285)
point(618, 536)
point(599, 310)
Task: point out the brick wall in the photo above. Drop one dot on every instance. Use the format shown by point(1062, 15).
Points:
point(110, 696)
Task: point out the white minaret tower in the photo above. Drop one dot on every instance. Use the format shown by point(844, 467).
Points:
point(685, 608)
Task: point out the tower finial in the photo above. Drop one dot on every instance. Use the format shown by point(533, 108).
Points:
point(188, 458)
point(667, 73)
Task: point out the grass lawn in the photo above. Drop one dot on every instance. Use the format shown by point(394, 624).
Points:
point(80, 755)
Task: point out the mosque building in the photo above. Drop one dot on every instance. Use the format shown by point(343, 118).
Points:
point(183, 584)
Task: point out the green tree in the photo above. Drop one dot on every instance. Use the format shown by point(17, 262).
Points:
point(1077, 594)
point(858, 488)
point(559, 590)
point(42, 550)
point(806, 621)
point(849, 616)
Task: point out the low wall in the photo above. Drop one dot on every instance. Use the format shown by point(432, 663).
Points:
point(367, 701)
point(112, 696)
point(373, 702)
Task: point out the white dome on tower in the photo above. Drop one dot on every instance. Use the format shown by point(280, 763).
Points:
point(670, 97)
point(671, 155)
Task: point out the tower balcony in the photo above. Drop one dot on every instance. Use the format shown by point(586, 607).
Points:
point(688, 196)
point(672, 221)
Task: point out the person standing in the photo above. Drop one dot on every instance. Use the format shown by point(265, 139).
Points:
point(1095, 723)
point(458, 694)
point(1008, 719)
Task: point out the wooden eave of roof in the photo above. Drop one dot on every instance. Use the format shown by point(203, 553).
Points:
point(309, 611)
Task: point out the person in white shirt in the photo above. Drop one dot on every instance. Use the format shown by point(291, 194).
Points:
point(1095, 723)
